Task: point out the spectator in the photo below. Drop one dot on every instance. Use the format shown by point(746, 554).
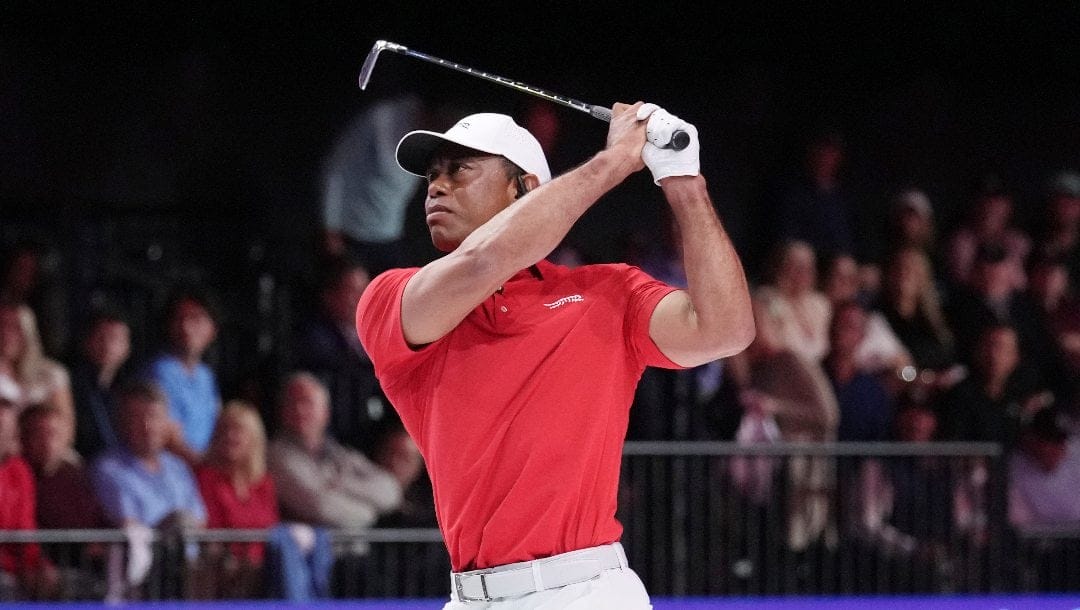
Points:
point(140, 482)
point(1060, 234)
point(1058, 309)
point(239, 493)
point(39, 379)
point(911, 509)
point(1043, 478)
point(880, 350)
point(364, 193)
point(322, 483)
point(912, 306)
point(988, 223)
point(319, 482)
point(104, 351)
point(910, 223)
point(1000, 393)
point(24, 571)
point(65, 497)
point(188, 382)
point(329, 347)
point(395, 452)
point(791, 315)
point(864, 403)
point(1044, 474)
point(31, 276)
point(993, 299)
point(779, 386)
point(816, 209)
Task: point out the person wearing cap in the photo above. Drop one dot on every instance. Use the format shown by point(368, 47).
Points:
point(515, 376)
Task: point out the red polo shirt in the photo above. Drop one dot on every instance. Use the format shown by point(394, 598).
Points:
point(521, 411)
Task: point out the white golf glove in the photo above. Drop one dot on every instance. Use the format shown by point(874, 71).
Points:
point(666, 162)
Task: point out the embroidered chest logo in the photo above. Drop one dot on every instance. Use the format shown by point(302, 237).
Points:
point(574, 298)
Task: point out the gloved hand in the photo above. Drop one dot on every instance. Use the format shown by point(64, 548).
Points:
point(665, 162)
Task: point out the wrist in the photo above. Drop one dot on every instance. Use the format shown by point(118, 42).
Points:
point(684, 189)
point(614, 164)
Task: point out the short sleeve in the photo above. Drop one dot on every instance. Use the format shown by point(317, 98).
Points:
point(378, 322)
point(645, 294)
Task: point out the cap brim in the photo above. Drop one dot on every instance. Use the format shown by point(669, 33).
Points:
point(416, 148)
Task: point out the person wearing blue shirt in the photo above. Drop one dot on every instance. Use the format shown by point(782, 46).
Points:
point(140, 483)
point(190, 385)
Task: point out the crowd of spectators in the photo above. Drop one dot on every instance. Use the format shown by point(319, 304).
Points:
point(973, 335)
point(149, 448)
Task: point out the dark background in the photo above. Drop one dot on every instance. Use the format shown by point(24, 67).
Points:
point(158, 140)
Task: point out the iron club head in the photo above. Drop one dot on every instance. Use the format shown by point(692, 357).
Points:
point(372, 56)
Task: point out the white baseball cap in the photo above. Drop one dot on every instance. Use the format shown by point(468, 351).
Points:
point(496, 134)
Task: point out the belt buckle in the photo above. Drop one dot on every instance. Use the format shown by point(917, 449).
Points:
point(483, 587)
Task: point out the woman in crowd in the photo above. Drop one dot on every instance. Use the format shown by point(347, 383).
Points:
point(239, 494)
point(22, 360)
point(910, 303)
point(791, 314)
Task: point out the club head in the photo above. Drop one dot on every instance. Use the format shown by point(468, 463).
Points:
point(372, 56)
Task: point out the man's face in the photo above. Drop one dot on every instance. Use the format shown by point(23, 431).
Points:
point(848, 329)
point(191, 328)
point(145, 426)
point(1000, 353)
point(306, 411)
point(843, 281)
point(465, 189)
point(109, 343)
point(45, 439)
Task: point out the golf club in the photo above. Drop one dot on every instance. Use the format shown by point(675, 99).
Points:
point(679, 139)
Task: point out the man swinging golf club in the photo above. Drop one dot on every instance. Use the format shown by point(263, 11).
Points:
point(515, 376)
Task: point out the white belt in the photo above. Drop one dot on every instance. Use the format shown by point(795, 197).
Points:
point(513, 579)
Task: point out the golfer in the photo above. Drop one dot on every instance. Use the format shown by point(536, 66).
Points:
point(515, 376)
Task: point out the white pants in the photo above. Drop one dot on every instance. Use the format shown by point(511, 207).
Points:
point(615, 589)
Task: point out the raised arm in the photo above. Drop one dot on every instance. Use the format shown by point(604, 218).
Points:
point(713, 318)
point(441, 294)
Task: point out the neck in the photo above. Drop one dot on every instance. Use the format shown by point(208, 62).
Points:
point(842, 366)
point(151, 462)
point(106, 375)
point(906, 306)
point(189, 360)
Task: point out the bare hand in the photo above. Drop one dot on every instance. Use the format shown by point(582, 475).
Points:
point(626, 134)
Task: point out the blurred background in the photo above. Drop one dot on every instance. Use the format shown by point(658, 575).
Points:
point(150, 145)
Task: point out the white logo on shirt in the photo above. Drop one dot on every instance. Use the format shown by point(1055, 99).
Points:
point(574, 298)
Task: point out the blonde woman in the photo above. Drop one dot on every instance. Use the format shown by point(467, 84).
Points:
point(39, 379)
point(911, 304)
point(238, 494)
point(790, 313)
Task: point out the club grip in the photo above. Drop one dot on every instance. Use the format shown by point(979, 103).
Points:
point(679, 139)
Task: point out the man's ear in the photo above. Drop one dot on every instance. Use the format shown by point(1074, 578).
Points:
point(526, 183)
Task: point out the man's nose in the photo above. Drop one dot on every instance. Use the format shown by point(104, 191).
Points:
point(438, 187)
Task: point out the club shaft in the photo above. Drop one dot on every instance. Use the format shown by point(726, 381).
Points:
point(513, 84)
point(679, 139)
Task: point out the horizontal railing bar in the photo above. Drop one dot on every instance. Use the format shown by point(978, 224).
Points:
point(378, 535)
point(845, 449)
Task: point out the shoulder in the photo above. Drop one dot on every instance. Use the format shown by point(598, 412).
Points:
point(387, 285)
point(16, 469)
point(175, 466)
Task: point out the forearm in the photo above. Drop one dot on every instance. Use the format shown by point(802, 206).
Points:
point(718, 309)
point(518, 236)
